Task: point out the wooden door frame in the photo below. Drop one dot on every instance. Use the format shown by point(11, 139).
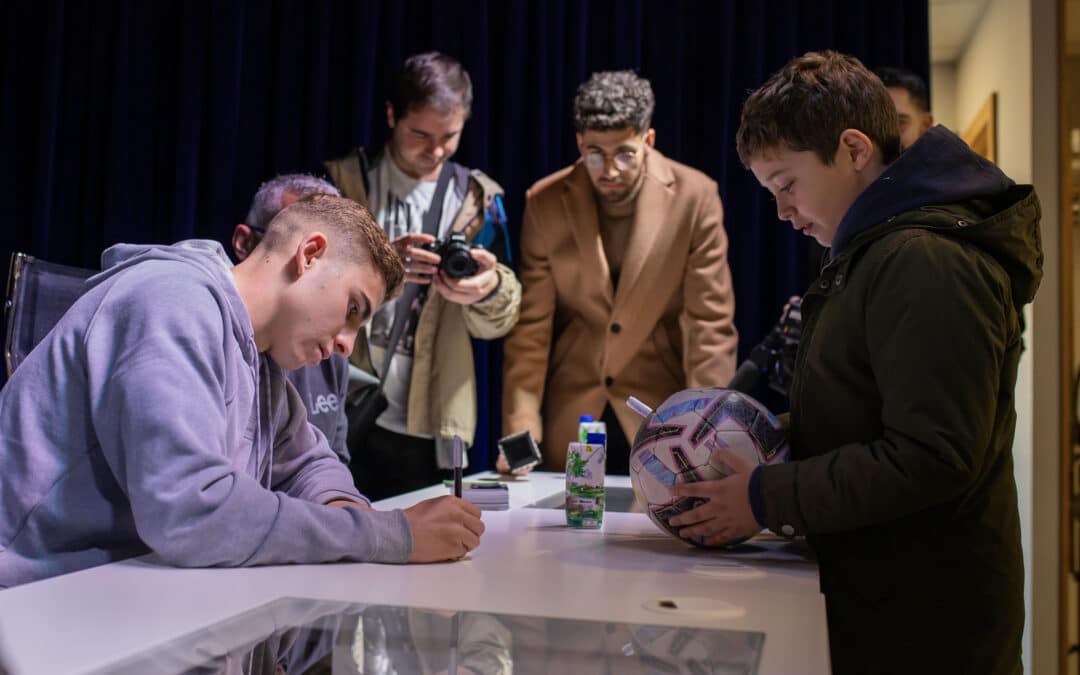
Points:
point(1065, 338)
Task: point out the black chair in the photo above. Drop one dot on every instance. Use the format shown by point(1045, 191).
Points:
point(38, 294)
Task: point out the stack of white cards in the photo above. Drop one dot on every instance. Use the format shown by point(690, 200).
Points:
point(486, 495)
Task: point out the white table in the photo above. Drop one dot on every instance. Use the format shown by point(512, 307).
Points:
point(528, 563)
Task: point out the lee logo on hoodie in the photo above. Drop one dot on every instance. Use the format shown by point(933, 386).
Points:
point(323, 403)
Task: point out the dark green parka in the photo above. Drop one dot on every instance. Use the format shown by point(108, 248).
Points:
point(903, 418)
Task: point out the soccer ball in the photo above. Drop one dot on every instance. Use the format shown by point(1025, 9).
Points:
point(677, 443)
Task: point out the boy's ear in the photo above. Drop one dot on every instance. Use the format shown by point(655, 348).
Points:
point(311, 248)
point(856, 148)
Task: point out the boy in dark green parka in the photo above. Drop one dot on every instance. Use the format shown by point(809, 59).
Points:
point(902, 406)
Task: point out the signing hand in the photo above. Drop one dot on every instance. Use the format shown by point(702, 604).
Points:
point(727, 515)
point(443, 528)
point(470, 289)
point(421, 265)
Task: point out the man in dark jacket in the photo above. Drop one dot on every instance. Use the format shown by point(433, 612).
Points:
point(902, 407)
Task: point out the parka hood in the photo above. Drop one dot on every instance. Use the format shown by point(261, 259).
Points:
point(940, 183)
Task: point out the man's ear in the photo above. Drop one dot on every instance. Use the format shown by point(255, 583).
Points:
point(390, 114)
point(856, 148)
point(310, 249)
point(650, 138)
point(580, 143)
point(928, 120)
point(244, 241)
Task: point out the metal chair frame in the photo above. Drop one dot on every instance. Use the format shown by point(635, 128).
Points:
point(17, 270)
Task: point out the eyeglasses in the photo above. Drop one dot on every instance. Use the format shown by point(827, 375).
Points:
point(255, 228)
point(624, 160)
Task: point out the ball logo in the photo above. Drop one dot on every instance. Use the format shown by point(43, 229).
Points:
point(692, 405)
point(324, 403)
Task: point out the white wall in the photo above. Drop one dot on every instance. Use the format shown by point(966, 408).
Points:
point(1003, 57)
point(943, 94)
point(985, 67)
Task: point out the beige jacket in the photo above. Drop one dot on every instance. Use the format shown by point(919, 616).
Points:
point(442, 393)
point(581, 344)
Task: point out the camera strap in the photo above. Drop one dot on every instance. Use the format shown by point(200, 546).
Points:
point(434, 213)
point(403, 305)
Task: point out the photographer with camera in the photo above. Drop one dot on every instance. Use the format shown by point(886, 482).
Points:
point(448, 225)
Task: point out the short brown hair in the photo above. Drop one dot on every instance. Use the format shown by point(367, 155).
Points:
point(432, 80)
point(809, 102)
point(356, 235)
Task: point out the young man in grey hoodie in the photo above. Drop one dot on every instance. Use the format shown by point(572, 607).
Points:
point(156, 415)
point(323, 387)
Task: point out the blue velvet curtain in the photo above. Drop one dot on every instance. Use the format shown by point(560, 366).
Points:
point(156, 121)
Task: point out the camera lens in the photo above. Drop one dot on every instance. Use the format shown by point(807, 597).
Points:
point(458, 264)
point(456, 261)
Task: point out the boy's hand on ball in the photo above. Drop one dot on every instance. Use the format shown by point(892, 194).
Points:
point(727, 515)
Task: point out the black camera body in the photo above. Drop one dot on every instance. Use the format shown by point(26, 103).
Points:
point(774, 357)
point(456, 261)
point(782, 344)
point(520, 450)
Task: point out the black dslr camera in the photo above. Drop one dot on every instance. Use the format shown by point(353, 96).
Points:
point(456, 261)
point(774, 358)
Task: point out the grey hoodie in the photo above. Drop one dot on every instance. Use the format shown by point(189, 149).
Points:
point(147, 420)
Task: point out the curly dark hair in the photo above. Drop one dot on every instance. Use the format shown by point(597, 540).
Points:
point(809, 102)
point(614, 100)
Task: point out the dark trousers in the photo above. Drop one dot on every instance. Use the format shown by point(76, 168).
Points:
point(618, 448)
point(389, 464)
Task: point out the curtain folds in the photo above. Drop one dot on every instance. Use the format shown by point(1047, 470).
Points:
point(155, 122)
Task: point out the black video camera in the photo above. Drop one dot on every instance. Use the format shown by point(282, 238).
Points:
point(774, 357)
point(456, 261)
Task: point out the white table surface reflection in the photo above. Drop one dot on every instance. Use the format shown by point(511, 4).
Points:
point(528, 564)
point(297, 636)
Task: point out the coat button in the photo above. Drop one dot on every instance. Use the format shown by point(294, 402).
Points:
point(615, 328)
point(787, 531)
point(608, 381)
point(824, 283)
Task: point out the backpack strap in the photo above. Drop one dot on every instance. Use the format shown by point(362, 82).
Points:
point(489, 228)
point(403, 305)
point(488, 186)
